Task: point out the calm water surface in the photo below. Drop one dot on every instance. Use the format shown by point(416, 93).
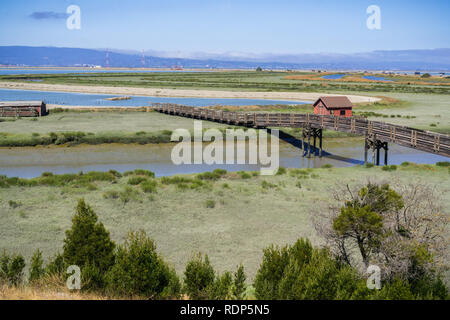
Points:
point(98, 100)
point(32, 162)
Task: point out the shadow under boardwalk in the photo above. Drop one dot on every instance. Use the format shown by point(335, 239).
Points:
point(298, 143)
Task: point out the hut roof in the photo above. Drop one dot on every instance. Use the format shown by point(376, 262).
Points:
point(335, 102)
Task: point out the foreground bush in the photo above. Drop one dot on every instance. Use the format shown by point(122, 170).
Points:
point(11, 269)
point(139, 270)
point(198, 277)
point(88, 245)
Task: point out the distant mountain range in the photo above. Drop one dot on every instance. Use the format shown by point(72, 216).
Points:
point(420, 60)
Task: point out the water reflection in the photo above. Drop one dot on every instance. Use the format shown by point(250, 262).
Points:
point(32, 162)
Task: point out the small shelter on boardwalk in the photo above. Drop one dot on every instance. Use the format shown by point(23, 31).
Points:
point(333, 105)
point(22, 109)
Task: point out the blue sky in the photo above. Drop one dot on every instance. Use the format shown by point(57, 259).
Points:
point(228, 25)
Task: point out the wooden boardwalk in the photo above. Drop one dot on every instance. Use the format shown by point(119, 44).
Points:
point(375, 130)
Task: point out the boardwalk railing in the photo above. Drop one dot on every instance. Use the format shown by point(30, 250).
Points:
point(408, 137)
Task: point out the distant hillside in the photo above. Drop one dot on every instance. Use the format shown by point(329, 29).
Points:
point(436, 59)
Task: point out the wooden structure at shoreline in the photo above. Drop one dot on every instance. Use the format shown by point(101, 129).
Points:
point(22, 109)
point(377, 134)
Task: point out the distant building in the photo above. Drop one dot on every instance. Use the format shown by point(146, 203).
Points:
point(22, 109)
point(333, 105)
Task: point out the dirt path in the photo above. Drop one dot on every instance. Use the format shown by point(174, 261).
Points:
point(155, 92)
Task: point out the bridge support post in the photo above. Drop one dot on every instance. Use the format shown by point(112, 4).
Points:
point(309, 148)
point(320, 143)
point(371, 142)
point(366, 147)
point(386, 153)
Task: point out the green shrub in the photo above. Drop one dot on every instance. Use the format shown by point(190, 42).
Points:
point(244, 175)
point(37, 269)
point(149, 186)
point(46, 174)
point(267, 185)
point(270, 272)
point(175, 180)
point(443, 164)
point(139, 270)
point(239, 286)
point(221, 288)
point(146, 173)
point(136, 180)
point(281, 170)
point(11, 269)
point(14, 204)
point(111, 194)
point(210, 203)
point(87, 242)
point(56, 265)
point(405, 164)
point(327, 166)
point(128, 194)
point(215, 175)
point(198, 277)
point(115, 173)
point(369, 165)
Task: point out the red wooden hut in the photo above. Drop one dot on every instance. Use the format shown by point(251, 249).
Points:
point(333, 105)
point(22, 109)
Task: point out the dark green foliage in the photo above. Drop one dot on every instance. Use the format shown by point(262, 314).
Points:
point(239, 286)
point(221, 288)
point(139, 270)
point(369, 165)
point(149, 186)
point(56, 265)
point(303, 272)
point(37, 269)
point(267, 185)
point(215, 175)
point(136, 180)
point(443, 164)
point(327, 166)
point(115, 173)
point(145, 173)
point(281, 170)
point(210, 203)
point(275, 261)
point(11, 269)
point(198, 277)
point(397, 289)
point(14, 204)
point(87, 243)
point(361, 219)
point(244, 175)
point(389, 168)
point(128, 194)
point(49, 179)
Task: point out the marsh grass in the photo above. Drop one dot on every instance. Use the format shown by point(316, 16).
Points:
point(246, 217)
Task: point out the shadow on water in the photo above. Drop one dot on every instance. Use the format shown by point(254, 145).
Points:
point(299, 144)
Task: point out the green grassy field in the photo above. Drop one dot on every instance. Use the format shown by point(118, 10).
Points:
point(245, 81)
point(231, 219)
point(423, 111)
